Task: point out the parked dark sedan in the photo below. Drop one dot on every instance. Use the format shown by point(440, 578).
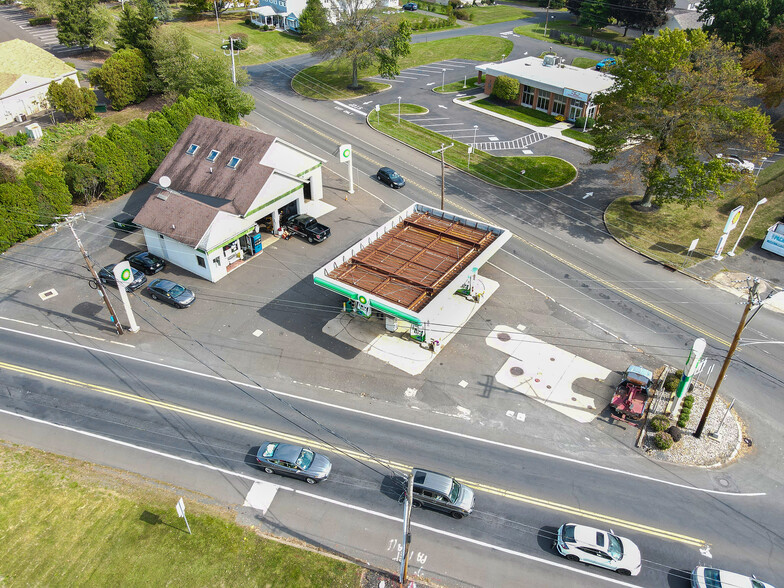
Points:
point(171, 293)
point(293, 460)
point(410, 6)
point(124, 222)
point(107, 277)
point(390, 177)
point(146, 262)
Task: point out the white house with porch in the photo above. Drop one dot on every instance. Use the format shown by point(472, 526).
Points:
point(284, 14)
point(218, 189)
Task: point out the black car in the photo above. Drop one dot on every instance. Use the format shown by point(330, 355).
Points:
point(146, 262)
point(107, 277)
point(307, 227)
point(410, 6)
point(171, 293)
point(124, 222)
point(390, 177)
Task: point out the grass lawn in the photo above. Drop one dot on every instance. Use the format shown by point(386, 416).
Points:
point(417, 17)
point(70, 523)
point(666, 234)
point(330, 81)
point(579, 135)
point(482, 15)
point(263, 46)
point(569, 27)
point(457, 86)
point(540, 172)
point(584, 62)
point(523, 113)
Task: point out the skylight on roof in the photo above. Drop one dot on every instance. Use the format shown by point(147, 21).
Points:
point(213, 156)
point(234, 162)
point(192, 149)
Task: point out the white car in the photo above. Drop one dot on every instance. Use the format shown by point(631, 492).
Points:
point(598, 548)
point(702, 577)
point(737, 163)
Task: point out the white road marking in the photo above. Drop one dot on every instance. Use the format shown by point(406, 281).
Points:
point(357, 110)
point(442, 106)
point(587, 195)
point(391, 419)
point(430, 83)
point(354, 507)
point(261, 495)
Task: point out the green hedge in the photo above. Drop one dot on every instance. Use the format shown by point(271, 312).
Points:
point(40, 20)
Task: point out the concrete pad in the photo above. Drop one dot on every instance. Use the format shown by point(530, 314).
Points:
point(317, 208)
point(260, 496)
point(397, 349)
point(561, 380)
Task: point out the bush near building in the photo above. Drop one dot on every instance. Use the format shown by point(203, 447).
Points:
point(506, 88)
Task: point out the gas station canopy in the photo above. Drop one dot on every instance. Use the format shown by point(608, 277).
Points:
point(409, 266)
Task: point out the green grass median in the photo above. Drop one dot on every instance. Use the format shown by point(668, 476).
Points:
point(330, 81)
point(540, 172)
point(482, 15)
point(457, 86)
point(69, 523)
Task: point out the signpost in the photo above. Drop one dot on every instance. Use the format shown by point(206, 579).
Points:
point(345, 157)
point(692, 363)
point(181, 513)
point(732, 221)
point(124, 276)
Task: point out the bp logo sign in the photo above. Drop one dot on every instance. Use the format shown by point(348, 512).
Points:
point(125, 275)
point(362, 300)
point(345, 153)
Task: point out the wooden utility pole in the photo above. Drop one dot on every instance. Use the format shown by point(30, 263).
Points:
point(546, 17)
point(441, 151)
point(753, 300)
point(117, 325)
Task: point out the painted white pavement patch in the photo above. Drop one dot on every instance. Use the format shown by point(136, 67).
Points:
point(573, 386)
point(260, 496)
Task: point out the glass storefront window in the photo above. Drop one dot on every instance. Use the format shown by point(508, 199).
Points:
point(559, 105)
point(528, 96)
point(543, 100)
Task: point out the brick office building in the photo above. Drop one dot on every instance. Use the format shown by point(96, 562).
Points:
point(549, 85)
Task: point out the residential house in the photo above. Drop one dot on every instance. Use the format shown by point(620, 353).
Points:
point(26, 71)
point(284, 14)
point(218, 189)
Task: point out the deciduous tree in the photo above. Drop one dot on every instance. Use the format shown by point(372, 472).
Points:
point(767, 66)
point(743, 22)
point(679, 98)
point(212, 77)
point(363, 39)
point(173, 59)
point(644, 14)
point(595, 14)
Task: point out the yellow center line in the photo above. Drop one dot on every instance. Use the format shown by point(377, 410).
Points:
point(358, 455)
point(577, 268)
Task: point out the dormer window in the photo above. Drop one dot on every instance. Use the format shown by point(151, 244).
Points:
point(213, 156)
point(192, 149)
point(234, 162)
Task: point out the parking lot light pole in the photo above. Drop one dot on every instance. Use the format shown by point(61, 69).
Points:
point(398, 109)
point(546, 17)
point(474, 143)
point(443, 73)
point(763, 201)
point(759, 169)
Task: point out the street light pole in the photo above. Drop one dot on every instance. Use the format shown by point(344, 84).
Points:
point(759, 169)
point(474, 143)
point(443, 73)
point(398, 109)
point(441, 151)
point(753, 300)
point(546, 17)
point(763, 201)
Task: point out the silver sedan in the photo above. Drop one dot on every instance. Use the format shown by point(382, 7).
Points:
point(293, 460)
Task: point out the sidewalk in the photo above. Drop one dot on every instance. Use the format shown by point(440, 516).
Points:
point(553, 131)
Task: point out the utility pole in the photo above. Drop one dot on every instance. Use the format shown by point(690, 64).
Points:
point(215, 5)
point(752, 301)
point(69, 221)
point(441, 151)
point(233, 68)
point(406, 529)
point(546, 17)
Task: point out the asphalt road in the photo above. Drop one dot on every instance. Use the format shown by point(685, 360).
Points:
point(522, 496)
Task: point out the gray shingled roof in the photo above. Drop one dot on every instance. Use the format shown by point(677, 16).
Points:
point(191, 173)
point(193, 218)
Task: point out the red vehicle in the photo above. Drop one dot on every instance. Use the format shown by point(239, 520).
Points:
point(632, 393)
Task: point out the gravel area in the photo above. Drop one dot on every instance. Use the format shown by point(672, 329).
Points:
point(705, 451)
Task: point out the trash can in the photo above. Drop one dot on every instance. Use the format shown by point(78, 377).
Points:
point(100, 108)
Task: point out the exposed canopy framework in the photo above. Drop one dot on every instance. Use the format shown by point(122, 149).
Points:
point(412, 259)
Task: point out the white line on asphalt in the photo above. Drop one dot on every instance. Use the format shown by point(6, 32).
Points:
point(357, 110)
point(387, 80)
point(374, 513)
point(391, 419)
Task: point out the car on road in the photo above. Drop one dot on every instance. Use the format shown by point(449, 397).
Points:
point(702, 577)
point(308, 227)
point(124, 222)
point(171, 293)
point(606, 63)
point(441, 492)
point(599, 548)
point(410, 6)
point(146, 262)
point(294, 461)
point(390, 177)
point(107, 277)
point(737, 163)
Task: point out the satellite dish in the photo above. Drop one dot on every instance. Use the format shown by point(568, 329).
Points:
point(164, 182)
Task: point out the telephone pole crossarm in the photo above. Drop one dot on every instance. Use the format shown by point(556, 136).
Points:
point(443, 177)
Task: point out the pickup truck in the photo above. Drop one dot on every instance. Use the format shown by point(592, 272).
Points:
point(307, 227)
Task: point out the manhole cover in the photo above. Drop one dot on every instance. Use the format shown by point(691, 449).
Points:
point(504, 337)
point(552, 359)
point(549, 387)
point(574, 399)
point(723, 482)
point(516, 371)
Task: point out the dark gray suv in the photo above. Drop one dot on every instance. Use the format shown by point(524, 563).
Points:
point(441, 492)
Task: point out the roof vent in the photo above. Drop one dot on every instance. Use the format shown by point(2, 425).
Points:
point(210, 170)
point(162, 196)
point(173, 227)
